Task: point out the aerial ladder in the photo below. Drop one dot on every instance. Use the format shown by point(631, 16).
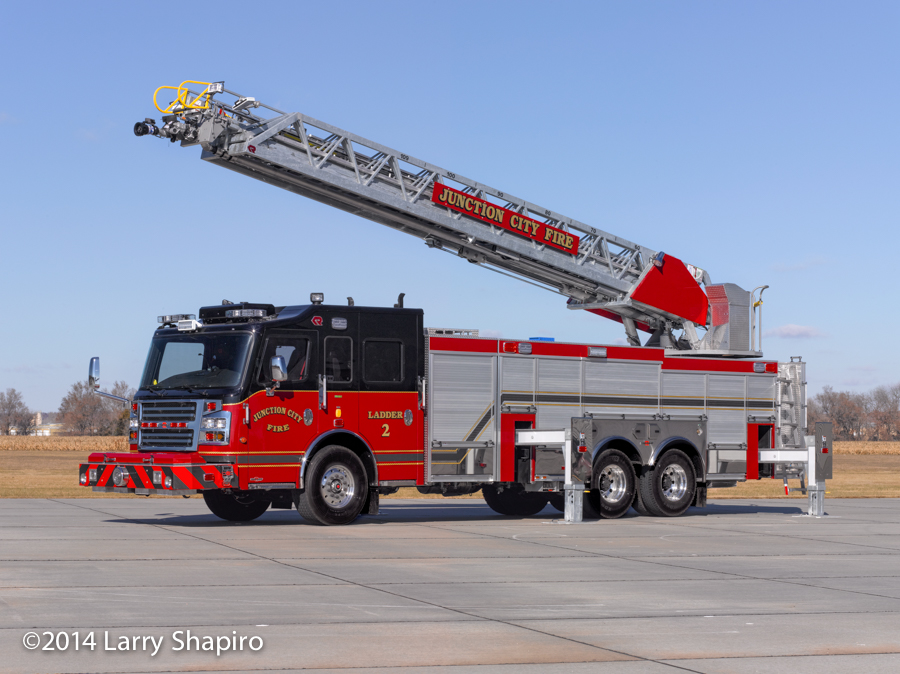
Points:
point(644, 289)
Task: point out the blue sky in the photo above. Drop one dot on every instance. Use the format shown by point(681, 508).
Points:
point(757, 140)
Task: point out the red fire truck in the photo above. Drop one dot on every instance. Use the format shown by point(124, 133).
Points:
point(325, 407)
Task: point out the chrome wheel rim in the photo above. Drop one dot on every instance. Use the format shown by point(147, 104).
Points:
point(674, 483)
point(613, 484)
point(337, 486)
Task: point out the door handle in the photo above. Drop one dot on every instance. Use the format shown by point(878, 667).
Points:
point(421, 388)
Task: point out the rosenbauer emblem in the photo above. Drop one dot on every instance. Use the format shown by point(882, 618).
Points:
point(317, 320)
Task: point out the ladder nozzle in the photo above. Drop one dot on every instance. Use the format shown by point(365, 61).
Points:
point(146, 128)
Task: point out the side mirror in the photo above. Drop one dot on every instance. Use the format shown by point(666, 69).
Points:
point(94, 374)
point(279, 374)
point(279, 369)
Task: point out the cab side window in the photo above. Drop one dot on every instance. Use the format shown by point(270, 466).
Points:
point(338, 359)
point(382, 360)
point(294, 350)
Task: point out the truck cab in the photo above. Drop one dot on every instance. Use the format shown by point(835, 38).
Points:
point(237, 405)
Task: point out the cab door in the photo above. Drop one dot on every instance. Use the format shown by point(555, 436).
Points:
point(340, 377)
point(282, 424)
point(390, 420)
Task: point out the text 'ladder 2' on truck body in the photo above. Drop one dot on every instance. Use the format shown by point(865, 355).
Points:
point(602, 273)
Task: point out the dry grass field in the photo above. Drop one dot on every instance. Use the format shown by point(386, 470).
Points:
point(63, 443)
point(47, 467)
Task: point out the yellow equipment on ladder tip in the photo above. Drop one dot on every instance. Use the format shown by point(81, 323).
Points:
point(182, 102)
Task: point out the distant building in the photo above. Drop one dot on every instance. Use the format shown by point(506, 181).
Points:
point(44, 424)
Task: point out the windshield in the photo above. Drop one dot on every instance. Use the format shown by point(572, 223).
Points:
point(210, 360)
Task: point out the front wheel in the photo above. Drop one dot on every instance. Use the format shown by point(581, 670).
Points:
point(234, 507)
point(667, 490)
point(336, 487)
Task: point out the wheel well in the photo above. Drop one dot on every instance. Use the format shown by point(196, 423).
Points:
point(352, 442)
point(691, 452)
point(623, 446)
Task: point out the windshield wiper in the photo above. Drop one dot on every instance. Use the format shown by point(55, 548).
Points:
point(157, 390)
point(189, 389)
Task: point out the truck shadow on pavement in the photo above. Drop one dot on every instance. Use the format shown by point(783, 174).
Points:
point(436, 513)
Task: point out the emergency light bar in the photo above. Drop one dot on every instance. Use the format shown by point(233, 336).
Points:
point(189, 325)
point(174, 318)
point(245, 313)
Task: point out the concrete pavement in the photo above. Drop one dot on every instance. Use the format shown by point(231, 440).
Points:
point(447, 585)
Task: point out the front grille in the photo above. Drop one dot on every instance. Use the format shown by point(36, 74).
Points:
point(168, 411)
point(167, 437)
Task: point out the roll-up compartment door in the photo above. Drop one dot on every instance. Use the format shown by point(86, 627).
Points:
point(462, 415)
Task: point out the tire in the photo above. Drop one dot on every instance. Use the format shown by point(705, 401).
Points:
point(667, 490)
point(234, 507)
point(613, 484)
point(588, 511)
point(558, 500)
point(336, 487)
point(638, 504)
point(513, 501)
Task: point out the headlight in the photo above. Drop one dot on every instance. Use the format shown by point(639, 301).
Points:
point(157, 477)
point(134, 423)
point(168, 482)
point(214, 429)
point(84, 478)
point(92, 474)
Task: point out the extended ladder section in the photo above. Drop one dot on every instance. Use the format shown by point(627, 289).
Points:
point(597, 271)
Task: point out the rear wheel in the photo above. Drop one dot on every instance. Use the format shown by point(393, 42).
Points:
point(638, 505)
point(234, 507)
point(668, 489)
point(613, 484)
point(336, 487)
point(513, 500)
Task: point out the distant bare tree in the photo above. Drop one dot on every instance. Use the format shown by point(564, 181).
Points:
point(15, 417)
point(118, 413)
point(80, 410)
point(886, 412)
point(849, 412)
point(85, 413)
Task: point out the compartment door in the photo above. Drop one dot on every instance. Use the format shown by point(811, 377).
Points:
point(462, 413)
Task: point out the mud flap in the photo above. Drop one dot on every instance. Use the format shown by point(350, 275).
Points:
point(700, 496)
point(371, 506)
